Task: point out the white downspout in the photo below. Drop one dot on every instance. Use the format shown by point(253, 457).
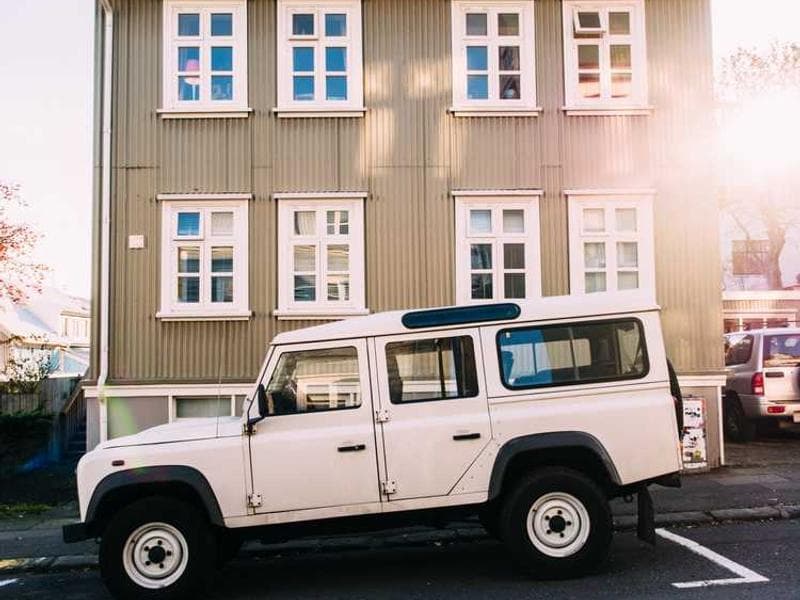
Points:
point(105, 205)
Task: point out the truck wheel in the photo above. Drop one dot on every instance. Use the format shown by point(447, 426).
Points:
point(738, 428)
point(157, 548)
point(557, 524)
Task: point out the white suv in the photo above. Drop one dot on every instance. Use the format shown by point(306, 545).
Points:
point(763, 380)
point(530, 415)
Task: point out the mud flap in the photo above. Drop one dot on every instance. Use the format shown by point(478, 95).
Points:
point(646, 525)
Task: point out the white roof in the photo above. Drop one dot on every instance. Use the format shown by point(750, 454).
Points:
point(768, 331)
point(551, 307)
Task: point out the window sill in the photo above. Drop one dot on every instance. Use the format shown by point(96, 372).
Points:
point(318, 315)
point(610, 111)
point(218, 113)
point(494, 112)
point(319, 113)
point(235, 315)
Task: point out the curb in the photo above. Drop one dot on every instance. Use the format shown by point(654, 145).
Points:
point(463, 532)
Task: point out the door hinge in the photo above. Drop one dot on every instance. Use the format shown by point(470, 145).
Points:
point(381, 416)
point(254, 500)
point(389, 487)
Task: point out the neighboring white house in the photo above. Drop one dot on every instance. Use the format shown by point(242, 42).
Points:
point(52, 324)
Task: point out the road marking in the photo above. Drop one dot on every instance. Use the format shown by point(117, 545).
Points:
point(745, 575)
point(8, 582)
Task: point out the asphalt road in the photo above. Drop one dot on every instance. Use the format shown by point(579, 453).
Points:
point(481, 570)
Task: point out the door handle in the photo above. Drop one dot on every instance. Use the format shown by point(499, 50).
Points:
point(466, 436)
point(353, 448)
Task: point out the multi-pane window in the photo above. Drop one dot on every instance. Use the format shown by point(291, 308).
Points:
point(319, 55)
point(205, 55)
point(493, 48)
point(321, 248)
point(497, 252)
point(750, 257)
point(611, 244)
point(604, 54)
point(204, 258)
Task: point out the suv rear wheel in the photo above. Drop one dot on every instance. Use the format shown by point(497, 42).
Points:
point(157, 548)
point(557, 524)
point(738, 428)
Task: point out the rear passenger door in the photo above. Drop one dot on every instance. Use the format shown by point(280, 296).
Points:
point(433, 409)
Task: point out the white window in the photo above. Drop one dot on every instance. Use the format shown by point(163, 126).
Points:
point(319, 56)
point(611, 243)
point(605, 63)
point(497, 248)
point(321, 257)
point(194, 407)
point(204, 259)
point(493, 55)
point(204, 56)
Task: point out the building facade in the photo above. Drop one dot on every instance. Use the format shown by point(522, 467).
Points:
point(265, 165)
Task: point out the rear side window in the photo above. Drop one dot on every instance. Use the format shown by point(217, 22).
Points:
point(738, 349)
point(552, 355)
point(431, 369)
point(782, 350)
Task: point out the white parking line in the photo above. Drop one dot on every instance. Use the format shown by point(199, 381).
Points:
point(745, 575)
point(5, 582)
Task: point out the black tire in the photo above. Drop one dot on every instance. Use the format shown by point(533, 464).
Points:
point(738, 428)
point(199, 552)
point(557, 487)
point(228, 546)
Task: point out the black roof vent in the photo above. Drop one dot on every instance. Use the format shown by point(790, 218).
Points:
point(459, 315)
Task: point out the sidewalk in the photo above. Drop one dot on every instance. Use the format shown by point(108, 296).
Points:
point(740, 492)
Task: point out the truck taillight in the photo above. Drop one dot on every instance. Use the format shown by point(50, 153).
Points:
point(757, 384)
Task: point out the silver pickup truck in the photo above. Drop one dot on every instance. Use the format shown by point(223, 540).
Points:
point(763, 380)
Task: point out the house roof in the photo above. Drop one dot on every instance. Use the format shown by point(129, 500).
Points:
point(40, 316)
point(549, 308)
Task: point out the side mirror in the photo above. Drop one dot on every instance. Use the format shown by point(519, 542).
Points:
point(263, 409)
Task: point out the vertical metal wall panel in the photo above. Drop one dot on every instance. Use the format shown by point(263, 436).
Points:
point(408, 152)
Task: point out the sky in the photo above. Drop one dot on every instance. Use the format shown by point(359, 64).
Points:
point(46, 112)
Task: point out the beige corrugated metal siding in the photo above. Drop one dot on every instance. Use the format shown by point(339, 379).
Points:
point(408, 152)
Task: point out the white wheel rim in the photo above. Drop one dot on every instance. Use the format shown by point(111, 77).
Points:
point(155, 555)
point(558, 524)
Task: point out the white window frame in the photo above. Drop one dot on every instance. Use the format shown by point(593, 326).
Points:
point(172, 107)
point(321, 308)
point(610, 201)
point(171, 309)
point(637, 102)
point(526, 104)
point(285, 43)
point(497, 202)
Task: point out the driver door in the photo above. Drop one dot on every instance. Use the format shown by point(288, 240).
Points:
point(316, 448)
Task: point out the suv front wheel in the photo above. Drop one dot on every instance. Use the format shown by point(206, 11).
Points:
point(557, 524)
point(158, 549)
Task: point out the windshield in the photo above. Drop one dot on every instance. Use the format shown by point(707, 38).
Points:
point(782, 350)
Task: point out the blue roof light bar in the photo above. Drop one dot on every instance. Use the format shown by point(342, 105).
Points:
point(460, 315)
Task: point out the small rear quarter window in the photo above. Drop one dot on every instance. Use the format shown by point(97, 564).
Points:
point(553, 355)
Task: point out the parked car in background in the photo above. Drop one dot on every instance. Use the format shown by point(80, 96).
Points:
point(763, 380)
point(531, 415)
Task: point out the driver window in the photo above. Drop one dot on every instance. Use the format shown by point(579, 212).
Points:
point(314, 381)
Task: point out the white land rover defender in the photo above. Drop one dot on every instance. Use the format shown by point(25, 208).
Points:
point(531, 415)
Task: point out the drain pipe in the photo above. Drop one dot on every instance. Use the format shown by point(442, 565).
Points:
point(105, 206)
